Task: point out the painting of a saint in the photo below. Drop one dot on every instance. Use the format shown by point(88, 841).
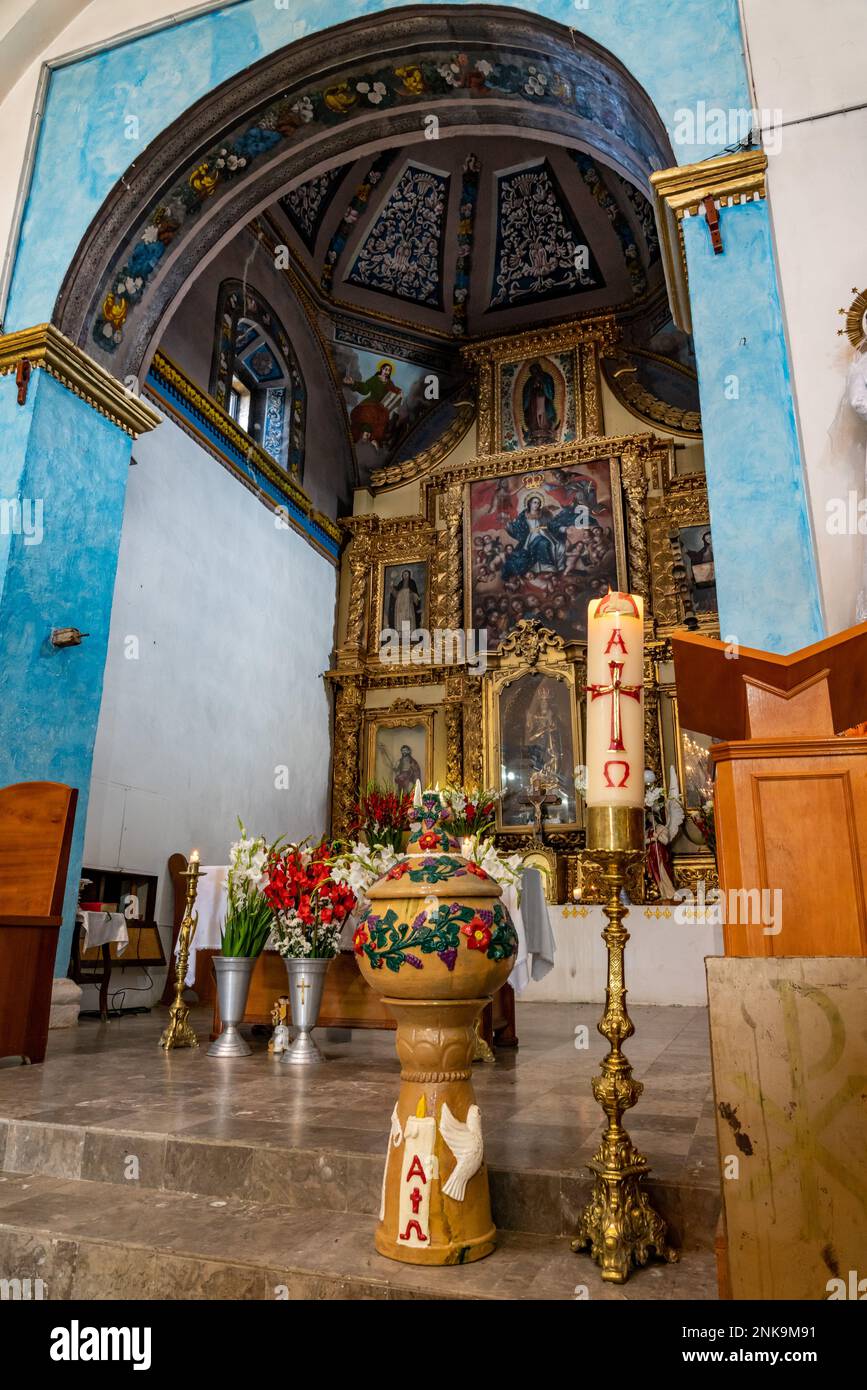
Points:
point(697, 549)
point(541, 545)
point(404, 595)
point(399, 755)
point(370, 421)
point(541, 421)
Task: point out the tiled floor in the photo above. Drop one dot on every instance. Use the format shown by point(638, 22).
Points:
point(272, 1148)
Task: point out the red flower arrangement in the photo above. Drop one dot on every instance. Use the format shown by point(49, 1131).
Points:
point(383, 815)
point(309, 908)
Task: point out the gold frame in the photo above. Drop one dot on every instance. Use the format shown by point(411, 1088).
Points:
point(683, 502)
point(589, 340)
point(504, 465)
point(398, 714)
point(531, 650)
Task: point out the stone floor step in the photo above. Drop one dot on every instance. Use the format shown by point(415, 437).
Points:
point(333, 1179)
point(95, 1240)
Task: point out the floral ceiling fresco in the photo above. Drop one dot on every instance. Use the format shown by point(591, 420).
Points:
point(580, 89)
point(541, 251)
point(307, 205)
point(402, 254)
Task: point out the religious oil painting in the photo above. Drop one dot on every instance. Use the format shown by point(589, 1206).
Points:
point(398, 750)
point(537, 735)
point(696, 548)
point(537, 402)
point(542, 544)
point(404, 596)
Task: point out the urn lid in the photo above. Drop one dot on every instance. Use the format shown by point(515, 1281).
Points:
point(433, 863)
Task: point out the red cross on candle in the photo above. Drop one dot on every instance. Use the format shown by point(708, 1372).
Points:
point(415, 1200)
point(615, 689)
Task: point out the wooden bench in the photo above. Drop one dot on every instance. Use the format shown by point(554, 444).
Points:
point(36, 820)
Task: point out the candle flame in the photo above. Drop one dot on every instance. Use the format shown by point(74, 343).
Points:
point(421, 1108)
point(194, 856)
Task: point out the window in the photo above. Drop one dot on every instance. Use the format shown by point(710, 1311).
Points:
point(255, 375)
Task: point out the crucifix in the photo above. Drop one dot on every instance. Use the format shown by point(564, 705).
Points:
point(615, 689)
point(303, 986)
point(538, 797)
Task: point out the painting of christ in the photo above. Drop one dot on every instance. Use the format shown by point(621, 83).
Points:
point(541, 545)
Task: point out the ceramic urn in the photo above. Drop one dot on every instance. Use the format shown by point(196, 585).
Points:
point(436, 942)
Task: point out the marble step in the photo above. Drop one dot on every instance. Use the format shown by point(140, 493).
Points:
point(97, 1240)
point(337, 1178)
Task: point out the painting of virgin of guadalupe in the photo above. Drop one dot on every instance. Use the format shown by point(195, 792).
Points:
point(541, 545)
point(537, 402)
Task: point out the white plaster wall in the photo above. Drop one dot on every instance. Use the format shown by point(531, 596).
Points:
point(234, 622)
point(809, 62)
point(664, 959)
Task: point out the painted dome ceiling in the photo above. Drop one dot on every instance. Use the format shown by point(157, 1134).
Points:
point(472, 238)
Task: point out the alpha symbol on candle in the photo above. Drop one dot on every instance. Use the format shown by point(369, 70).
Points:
point(624, 776)
point(415, 1170)
point(615, 689)
point(415, 1200)
point(616, 640)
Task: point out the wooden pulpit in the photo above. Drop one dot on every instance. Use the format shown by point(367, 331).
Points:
point(790, 796)
point(36, 820)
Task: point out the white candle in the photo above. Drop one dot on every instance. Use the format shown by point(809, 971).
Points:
point(615, 701)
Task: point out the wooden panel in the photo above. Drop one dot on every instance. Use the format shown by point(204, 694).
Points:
point(792, 815)
point(145, 948)
point(36, 820)
point(789, 1055)
point(35, 833)
point(712, 694)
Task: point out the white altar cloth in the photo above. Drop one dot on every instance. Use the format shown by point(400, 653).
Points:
point(664, 958)
point(102, 928)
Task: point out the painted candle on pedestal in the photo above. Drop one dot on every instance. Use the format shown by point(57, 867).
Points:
point(615, 701)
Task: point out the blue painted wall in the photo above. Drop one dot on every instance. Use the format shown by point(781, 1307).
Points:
point(681, 51)
point(766, 573)
point(59, 450)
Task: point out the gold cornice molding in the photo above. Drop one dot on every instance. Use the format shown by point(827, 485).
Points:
point(45, 348)
point(222, 421)
point(679, 192)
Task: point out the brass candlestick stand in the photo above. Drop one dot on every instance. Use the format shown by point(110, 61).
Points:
point(619, 1224)
point(179, 1032)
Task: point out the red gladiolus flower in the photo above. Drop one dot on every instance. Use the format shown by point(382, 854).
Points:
point(476, 869)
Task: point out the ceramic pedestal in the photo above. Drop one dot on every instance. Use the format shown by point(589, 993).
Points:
point(435, 943)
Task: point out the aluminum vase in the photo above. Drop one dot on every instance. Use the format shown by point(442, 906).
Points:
point(306, 983)
point(233, 985)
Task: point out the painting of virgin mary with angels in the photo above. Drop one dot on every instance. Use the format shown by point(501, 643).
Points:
point(541, 545)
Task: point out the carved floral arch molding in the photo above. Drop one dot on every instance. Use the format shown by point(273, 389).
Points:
point(359, 87)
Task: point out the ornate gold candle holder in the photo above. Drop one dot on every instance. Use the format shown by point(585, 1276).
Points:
point(618, 1224)
point(180, 1032)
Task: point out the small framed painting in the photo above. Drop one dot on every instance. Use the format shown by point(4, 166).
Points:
point(402, 596)
point(398, 748)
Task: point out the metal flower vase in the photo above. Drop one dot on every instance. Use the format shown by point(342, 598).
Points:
point(306, 983)
point(233, 985)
